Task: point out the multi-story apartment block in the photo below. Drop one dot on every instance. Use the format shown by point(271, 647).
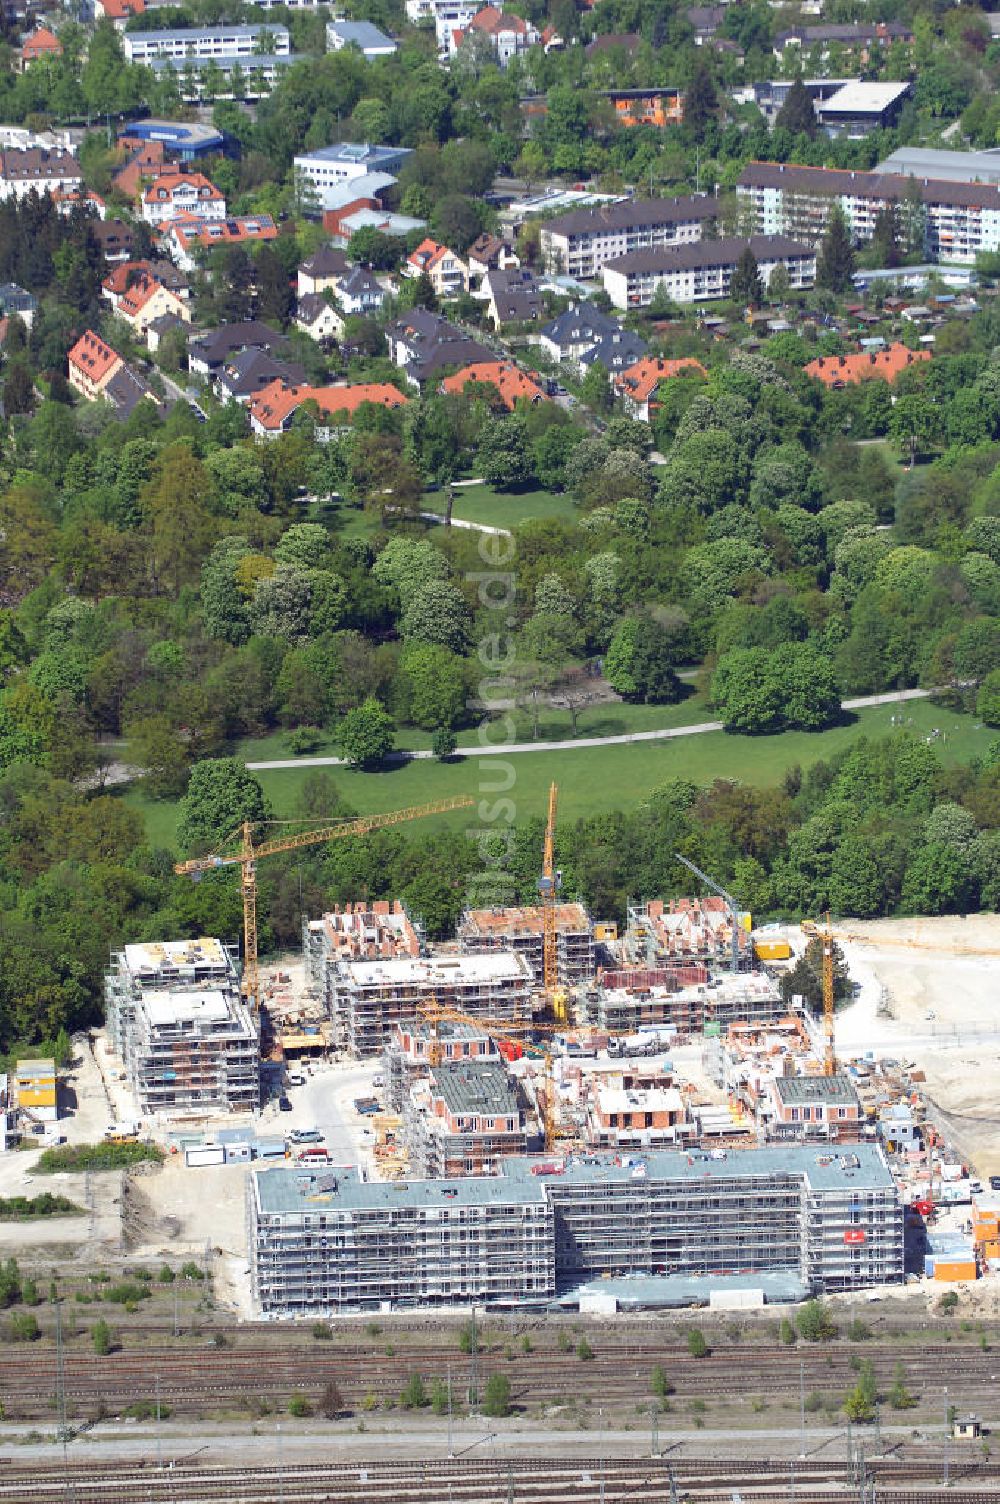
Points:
point(811, 1106)
point(958, 221)
point(360, 932)
point(91, 364)
point(580, 243)
point(522, 931)
point(447, 16)
point(697, 273)
point(188, 1041)
point(416, 1044)
point(326, 1242)
point(463, 1119)
point(208, 45)
point(682, 997)
point(35, 170)
point(367, 998)
point(182, 194)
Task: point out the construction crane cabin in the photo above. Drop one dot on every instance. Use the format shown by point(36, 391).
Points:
point(248, 855)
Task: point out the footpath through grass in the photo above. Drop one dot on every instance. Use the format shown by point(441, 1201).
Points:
point(595, 779)
point(502, 508)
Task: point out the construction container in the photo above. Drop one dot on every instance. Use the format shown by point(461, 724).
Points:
point(207, 1154)
point(772, 950)
point(952, 1270)
point(239, 1153)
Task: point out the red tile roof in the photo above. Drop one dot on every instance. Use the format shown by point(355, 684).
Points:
point(168, 182)
point(640, 381)
point(427, 254)
point(189, 229)
point(492, 21)
point(41, 43)
point(120, 10)
point(93, 357)
point(511, 383)
point(841, 370)
point(274, 404)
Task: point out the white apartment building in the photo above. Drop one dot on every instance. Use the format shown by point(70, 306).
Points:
point(578, 244)
point(210, 43)
point(181, 195)
point(447, 16)
point(36, 171)
point(960, 220)
point(697, 273)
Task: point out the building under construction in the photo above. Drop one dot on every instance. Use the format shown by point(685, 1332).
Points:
point(416, 1045)
point(463, 1119)
point(368, 998)
point(624, 1001)
point(522, 931)
point(374, 931)
point(188, 1041)
point(323, 1243)
point(685, 931)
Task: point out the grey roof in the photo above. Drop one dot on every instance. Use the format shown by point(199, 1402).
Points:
point(225, 62)
point(327, 261)
point(617, 352)
point(215, 345)
point(360, 34)
point(634, 213)
point(670, 258)
point(310, 306)
point(945, 166)
point(166, 322)
point(125, 391)
point(359, 280)
point(250, 370)
point(476, 1087)
point(847, 31)
point(450, 352)
point(14, 299)
point(191, 36)
point(355, 151)
point(580, 324)
point(518, 307)
point(835, 1091)
point(829, 182)
point(858, 1167)
point(673, 1291)
point(421, 324)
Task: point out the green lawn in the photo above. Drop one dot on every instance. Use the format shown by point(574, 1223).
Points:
point(600, 778)
point(500, 509)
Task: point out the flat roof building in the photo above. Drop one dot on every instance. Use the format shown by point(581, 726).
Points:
point(859, 107)
point(634, 999)
point(210, 43)
point(943, 166)
point(809, 1106)
point(327, 1243)
point(463, 1118)
point(188, 1041)
point(367, 999)
point(36, 1089)
point(185, 140)
point(522, 930)
point(359, 932)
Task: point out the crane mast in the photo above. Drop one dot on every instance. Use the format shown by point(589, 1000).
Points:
point(830, 1053)
point(248, 855)
point(549, 885)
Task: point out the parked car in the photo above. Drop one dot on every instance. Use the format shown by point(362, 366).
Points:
point(305, 1136)
point(283, 1104)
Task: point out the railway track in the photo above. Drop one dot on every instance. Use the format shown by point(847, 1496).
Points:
point(489, 1481)
point(192, 1380)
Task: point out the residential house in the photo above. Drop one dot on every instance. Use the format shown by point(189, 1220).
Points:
point(577, 329)
point(693, 273)
point(92, 363)
point(318, 318)
point(125, 390)
point(178, 193)
point(144, 162)
point(189, 235)
point(321, 271)
point(811, 1106)
point(36, 170)
point(512, 384)
point(611, 42)
point(849, 370)
point(209, 44)
point(17, 300)
point(41, 43)
point(117, 283)
point(512, 297)
point(705, 21)
point(862, 37)
point(640, 383)
point(158, 328)
point(115, 238)
point(426, 346)
point(272, 410)
point(359, 292)
point(615, 352)
point(145, 300)
point(509, 34)
point(209, 350)
point(118, 12)
point(68, 200)
point(360, 34)
point(250, 371)
point(658, 107)
point(579, 243)
point(448, 273)
point(446, 16)
point(490, 253)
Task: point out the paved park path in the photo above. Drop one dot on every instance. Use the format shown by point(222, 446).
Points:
point(503, 749)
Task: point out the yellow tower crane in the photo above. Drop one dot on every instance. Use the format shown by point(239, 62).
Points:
point(248, 855)
point(549, 885)
point(829, 1053)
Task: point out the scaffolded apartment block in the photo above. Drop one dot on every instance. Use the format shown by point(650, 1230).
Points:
point(463, 1120)
point(367, 998)
point(334, 1243)
point(685, 930)
point(327, 1243)
point(189, 1043)
point(521, 931)
point(631, 1000)
point(358, 932)
point(414, 1045)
